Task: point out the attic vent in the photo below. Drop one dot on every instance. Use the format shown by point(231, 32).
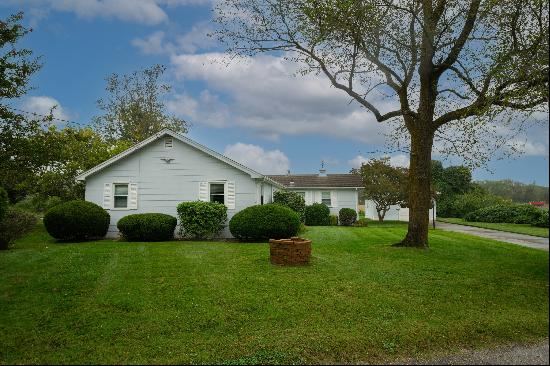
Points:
point(168, 143)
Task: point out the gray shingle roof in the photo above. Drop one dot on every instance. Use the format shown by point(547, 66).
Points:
point(316, 181)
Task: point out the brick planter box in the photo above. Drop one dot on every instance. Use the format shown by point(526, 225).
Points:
point(293, 251)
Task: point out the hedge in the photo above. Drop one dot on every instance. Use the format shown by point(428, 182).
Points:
point(292, 200)
point(15, 223)
point(3, 203)
point(506, 213)
point(201, 220)
point(264, 222)
point(318, 214)
point(147, 227)
point(78, 220)
point(347, 216)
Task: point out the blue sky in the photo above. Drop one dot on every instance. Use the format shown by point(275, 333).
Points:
point(255, 111)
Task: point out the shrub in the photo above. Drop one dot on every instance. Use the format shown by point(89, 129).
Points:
point(470, 202)
point(16, 222)
point(318, 214)
point(36, 203)
point(78, 220)
point(510, 213)
point(292, 200)
point(361, 223)
point(147, 227)
point(543, 219)
point(333, 220)
point(527, 214)
point(201, 220)
point(3, 203)
point(347, 216)
point(263, 222)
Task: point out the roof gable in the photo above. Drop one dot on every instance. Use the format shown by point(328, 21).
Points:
point(185, 140)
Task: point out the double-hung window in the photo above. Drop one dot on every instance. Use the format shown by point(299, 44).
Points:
point(217, 192)
point(325, 198)
point(121, 195)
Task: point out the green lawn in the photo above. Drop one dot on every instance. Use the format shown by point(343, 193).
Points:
point(512, 228)
point(360, 300)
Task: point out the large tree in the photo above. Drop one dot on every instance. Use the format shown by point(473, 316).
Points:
point(384, 184)
point(17, 156)
point(134, 108)
point(450, 68)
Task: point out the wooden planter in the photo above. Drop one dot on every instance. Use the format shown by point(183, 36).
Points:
point(293, 251)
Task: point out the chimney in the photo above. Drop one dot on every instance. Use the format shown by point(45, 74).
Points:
point(322, 171)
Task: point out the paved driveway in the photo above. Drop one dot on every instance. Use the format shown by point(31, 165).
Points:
point(520, 239)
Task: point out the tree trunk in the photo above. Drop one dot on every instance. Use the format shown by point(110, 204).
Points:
point(419, 190)
point(381, 215)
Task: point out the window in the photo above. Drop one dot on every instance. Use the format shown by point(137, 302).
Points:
point(217, 192)
point(325, 198)
point(121, 196)
point(168, 143)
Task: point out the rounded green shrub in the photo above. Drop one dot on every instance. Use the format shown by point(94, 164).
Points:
point(361, 223)
point(347, 216)
point(147, 227)
point(333, 220)
point(292, 200)
point(505, 213)
point(78, 220)
point(318, 214)
point(15, 223)
point(543, 219)
point(201, 220)
point(263, 222)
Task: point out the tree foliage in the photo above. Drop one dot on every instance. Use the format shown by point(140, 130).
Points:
point(457, 72)
point(384, 184)
point(515, 191)
point(134, 108)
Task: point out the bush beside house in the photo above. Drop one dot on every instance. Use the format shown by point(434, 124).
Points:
point(78, 220)
point(292, 200)
point(318, 214)
point(147, 227)
point(201, 220)
point(262, 222)
point(347, 216)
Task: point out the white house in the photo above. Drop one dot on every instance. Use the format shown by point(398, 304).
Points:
point(168, 168)
point(335, 190)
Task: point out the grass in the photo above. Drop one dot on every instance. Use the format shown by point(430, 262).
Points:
point(360, 300)
point(512, 228)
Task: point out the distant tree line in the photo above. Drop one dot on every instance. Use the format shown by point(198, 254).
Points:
point(515, 191)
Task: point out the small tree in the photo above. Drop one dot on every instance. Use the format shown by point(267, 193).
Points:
point(291, 200)
point(134, 109)
point(384, 184)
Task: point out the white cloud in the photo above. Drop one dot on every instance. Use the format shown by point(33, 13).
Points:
point(148, 12)
point(152, 44)
point(260, 93)
point(161, 43)
point(399, 160)
point(42, 105)
point(530, 148)
point(255, 157)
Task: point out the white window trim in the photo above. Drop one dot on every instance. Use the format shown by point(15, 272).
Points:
point(224, 182)
point(127, 208)
point(330, 197)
